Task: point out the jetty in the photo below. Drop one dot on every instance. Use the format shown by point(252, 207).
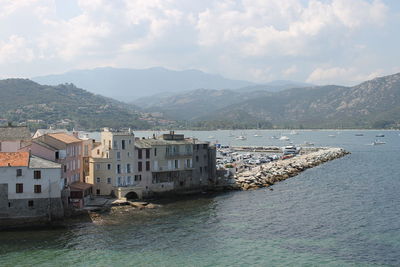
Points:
point(270, 173)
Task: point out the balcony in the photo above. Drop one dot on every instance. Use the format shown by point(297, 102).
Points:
point(176, 155)
point(166, 169)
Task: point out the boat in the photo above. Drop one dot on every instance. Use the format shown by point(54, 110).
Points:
point(274, 137)
point(290, 150)
point(380, 135)
point(257, 135)
point(211, 137)
point(308, 144)
point(284, 138)
point(332, 135)
point(294, 132)
point(359, 134)
point(241, 137)
point(377, 142)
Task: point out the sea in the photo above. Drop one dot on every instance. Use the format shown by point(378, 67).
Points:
point(345, 212)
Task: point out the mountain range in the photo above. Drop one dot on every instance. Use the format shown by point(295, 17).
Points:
point(374, 103)
point(371, 104)
point(66, 106)
point(130, 84)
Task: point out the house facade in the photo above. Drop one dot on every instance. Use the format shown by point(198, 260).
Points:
point(30, 187)
point(125, 166)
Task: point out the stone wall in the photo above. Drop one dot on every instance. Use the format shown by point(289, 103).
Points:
point(51, 208)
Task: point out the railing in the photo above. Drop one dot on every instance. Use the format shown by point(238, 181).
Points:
point(178, 154)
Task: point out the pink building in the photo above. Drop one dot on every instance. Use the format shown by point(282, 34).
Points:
point(61, 148)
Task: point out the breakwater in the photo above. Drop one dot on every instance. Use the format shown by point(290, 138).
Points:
point(270, 173)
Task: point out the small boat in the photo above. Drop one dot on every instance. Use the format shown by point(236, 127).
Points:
point(332, 135)
point(377, 142)
point(380, 135)
point(257, 135)
point(294, 132)
point(241, 137)
point(211, 137)
point(359, 134)
point(284, 138)
point(308, 144)
point(274, 137)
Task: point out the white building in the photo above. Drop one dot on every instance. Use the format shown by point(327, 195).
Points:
point(29, 187)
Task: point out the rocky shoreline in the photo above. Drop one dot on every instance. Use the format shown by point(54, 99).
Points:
point(270, 173)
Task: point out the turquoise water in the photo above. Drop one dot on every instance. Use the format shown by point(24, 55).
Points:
point(342, 213)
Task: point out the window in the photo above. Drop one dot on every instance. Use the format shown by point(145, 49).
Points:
point(129, 180)
point(37, 188)
point(65, 168)
point(97, 191)
point(108, 166)
point(139, 153)
point(119, 180)
point(128, 168)
point(139, 166)
point(197, 158)
point(129, 154)
point(118, 168)
point(19, 188)
point(205, 146)
point(115, 144)
point(98, 180)
point(57, 155)
point(98, 166)
point(118, 155)
point(37, 174)
point(98, 151)
point(86, 150)
point(147, 165)
point(201, 170)
point(30, 203)
point(176, 164)
point(130, 141)
point(108, 180)
point(155, 152)
point(19, 172)
point(147, 153)
point(123, 144)
point(138, 177)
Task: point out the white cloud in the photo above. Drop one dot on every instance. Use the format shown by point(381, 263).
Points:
point(343, 75)
point(15, 49)
point(248, 39)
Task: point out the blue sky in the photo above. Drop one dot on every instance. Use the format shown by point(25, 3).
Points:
point(317, 41)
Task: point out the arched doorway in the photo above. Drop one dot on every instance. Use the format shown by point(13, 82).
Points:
point(131, 195)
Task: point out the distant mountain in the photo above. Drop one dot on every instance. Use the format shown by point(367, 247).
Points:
point(196, 103)
point(24, 101)
point(373, 103)
point(275, 86)
point(130, 84)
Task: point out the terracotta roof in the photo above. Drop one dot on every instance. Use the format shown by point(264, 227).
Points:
point(14, 159)
point(14, 133)
point(79, 186)
point(66, 138)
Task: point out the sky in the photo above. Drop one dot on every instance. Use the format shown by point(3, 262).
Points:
point(317, 41)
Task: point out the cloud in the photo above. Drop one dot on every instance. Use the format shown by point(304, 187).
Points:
point(345, 75)
point(249, 39)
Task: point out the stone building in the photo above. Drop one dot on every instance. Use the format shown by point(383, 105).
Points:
point(30, 187)
point(125, 166)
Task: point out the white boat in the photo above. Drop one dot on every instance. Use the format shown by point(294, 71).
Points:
point(284, 138)
point(332, 135)
point(308, 144)
point(241, 137)
point(257, 135)
point(294, 132)
point(211, 137)
point(377, 142)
